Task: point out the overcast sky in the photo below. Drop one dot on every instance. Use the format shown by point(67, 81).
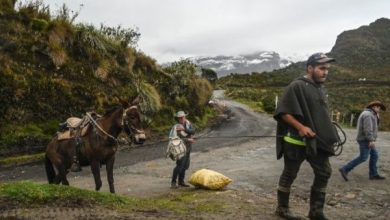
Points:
point(175, 29)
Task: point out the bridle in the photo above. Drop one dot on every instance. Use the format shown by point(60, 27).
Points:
point(123, 124)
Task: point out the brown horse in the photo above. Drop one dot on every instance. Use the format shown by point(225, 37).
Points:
point(99, 145)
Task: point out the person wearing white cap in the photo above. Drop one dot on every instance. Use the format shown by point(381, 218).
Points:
point(185, 131)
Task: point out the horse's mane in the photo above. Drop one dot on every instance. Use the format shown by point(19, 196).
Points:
point(111, 110)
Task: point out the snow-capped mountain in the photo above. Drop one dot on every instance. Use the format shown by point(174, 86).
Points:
point(255, 62)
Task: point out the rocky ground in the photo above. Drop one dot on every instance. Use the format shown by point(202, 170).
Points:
point(252, 165)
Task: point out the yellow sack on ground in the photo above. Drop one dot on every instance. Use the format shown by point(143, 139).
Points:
point(209, 179)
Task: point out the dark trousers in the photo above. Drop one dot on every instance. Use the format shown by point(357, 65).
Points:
point(182, 165)
point(293, 158)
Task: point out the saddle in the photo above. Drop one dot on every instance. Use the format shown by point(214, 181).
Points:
point(75, 127)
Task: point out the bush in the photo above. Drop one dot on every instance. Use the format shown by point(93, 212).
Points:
point(7, 6)
point(39, 24)
point(34, 9)
point(31, 137)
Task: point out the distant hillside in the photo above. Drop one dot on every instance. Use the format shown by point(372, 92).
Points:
point(364, 52)
point(255, 62)
point(361, 74)
point(51, 69)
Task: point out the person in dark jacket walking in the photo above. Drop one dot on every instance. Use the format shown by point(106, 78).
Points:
point(367, 132)
point(185, 131)
point(305, 132)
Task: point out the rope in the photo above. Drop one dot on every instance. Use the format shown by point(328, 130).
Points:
point(101, 129)
point(338, 146)
point(240, 136)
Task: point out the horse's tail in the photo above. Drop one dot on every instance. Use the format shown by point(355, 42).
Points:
point(50, 173)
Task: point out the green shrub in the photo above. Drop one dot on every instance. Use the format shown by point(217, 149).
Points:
point(7, 6)
point(200, 91)
point(34, 9)
point(32, 132)
point(39, 24)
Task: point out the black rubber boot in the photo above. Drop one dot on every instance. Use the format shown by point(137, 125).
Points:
point(283, 210)
point(175, 173)
point(183, 184)
point(181, 180)
point(173, 185)
point(317, 201)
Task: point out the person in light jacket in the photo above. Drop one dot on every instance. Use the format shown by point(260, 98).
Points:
point(367, 132)
point(185, 131)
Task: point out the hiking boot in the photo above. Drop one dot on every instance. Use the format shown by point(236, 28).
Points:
point(173, 185)
point(75, 167)
point(377, 177)
point(183, 184)
point(283, 210)
point(343, 174)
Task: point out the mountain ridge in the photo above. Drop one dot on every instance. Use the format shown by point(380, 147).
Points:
point(246, 63)
point(360, 74)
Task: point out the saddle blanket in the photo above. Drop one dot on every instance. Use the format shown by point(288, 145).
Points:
point(71, 133)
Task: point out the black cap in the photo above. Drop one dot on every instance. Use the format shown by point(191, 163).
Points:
point(319, 58)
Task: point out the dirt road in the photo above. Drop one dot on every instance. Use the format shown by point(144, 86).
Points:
point(233, 130)
point(252, 165)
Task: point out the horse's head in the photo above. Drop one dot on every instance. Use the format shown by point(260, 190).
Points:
point(132, 124)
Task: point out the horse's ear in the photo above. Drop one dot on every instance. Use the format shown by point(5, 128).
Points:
point(124, 103)
point(136, 101)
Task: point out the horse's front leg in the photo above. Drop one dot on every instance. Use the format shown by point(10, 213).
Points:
point(110, 173)
point(95, 168)
point(61, 177)
point(57, 178)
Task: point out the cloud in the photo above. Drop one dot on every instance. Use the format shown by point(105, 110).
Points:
point(171, 29)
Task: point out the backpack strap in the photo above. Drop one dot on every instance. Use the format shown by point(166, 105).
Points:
point(173, 133)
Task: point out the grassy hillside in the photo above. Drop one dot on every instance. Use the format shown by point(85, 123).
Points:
point(52, 68)
point(360, 75)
